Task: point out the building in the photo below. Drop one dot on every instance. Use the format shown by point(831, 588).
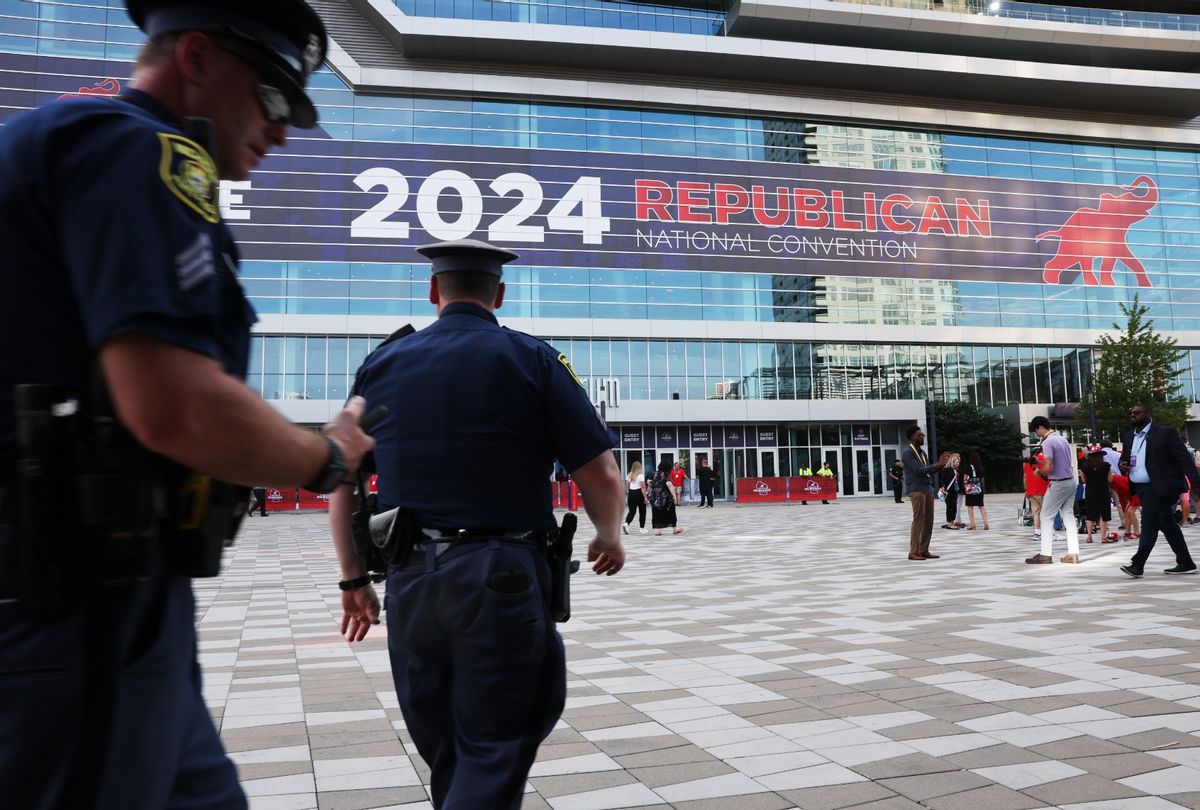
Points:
point(765, 232)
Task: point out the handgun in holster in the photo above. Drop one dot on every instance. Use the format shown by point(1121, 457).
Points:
point(559, 551)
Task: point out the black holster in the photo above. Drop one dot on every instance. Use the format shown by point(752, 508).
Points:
point(93, 506)
point(558, 555)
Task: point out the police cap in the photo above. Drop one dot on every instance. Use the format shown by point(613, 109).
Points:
point(466, 256)
point(284, 39)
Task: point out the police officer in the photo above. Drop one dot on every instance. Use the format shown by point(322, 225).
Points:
point(120, 276)
point(477, 662)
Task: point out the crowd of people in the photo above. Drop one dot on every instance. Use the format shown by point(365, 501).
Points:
point(1152, 481)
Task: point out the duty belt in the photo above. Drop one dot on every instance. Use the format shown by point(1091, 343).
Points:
point(443, 540)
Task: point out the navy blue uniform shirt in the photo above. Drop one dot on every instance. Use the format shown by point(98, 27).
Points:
point(477, 415)
point(110, 226)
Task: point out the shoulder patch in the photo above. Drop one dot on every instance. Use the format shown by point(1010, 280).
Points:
point(190, 174)
point(562, 358)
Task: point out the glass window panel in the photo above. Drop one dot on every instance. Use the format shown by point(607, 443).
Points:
point(658, 357)
point(639, 357)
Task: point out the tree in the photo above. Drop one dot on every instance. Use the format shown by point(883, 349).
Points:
point(964, 429)
point(1138, 365)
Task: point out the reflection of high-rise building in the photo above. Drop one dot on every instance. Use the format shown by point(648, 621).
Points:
point(873, 148)
point(787, 141)
point(887, 301)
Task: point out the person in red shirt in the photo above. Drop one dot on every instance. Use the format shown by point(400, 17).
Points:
point(678, 476)
point(1129, 505)
point(1035, 490)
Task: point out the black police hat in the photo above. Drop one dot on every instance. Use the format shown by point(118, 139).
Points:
point(467, 256)
point(285, 39)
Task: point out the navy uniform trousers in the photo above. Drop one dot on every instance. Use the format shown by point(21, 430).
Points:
point(479, 668)
point(142, 739)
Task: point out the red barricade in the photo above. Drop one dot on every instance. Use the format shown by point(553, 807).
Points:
point(313, 500)
point(761, 490)
point(812, 488)
point(281, 500)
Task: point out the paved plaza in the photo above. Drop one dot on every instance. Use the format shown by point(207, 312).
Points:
point(768, 657)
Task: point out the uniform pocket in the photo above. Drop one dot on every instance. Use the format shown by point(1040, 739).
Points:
point(511, 616)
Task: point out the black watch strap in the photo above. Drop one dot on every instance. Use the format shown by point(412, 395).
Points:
point(330, 476)
point(351, 584)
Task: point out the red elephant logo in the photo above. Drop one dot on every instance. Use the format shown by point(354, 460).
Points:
point(104, 87)
point(1102, 233)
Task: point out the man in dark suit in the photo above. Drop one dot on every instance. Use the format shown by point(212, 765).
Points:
point(918, 483)
point(1159, 467)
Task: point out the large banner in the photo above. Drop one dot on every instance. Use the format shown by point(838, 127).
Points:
point(331, 200)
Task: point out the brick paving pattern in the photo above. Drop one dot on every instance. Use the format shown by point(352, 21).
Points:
point(768, 657)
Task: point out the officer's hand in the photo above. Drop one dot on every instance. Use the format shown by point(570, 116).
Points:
point(360, 610)
point(608, 558)
point(344, 430)
point(1124, 465)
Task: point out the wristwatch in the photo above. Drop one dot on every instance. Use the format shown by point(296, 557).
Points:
point(333, 473)
point(351, 584)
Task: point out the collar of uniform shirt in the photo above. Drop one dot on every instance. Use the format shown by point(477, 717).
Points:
point(467, 308)
point(150, 104)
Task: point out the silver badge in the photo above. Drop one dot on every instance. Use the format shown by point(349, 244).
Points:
point(312, 54)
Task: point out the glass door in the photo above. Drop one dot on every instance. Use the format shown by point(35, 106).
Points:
point(766, 463)
point(831, 455)
point(862, 472)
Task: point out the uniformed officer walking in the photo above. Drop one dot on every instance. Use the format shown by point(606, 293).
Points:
point(121, 296)
point(477, 662)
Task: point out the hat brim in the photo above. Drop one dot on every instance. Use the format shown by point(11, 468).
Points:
point(304, 112)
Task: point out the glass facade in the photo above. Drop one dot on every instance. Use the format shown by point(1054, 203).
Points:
point(704, 17)
point(1048, 12)
point(318, 367)
point(322, 367)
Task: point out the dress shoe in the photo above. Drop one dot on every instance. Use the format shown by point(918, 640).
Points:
point(1133, 572)
point(1069, 558)
point(929, 556)
point(1039, 559)
point(1182, 569)
point(916, 557)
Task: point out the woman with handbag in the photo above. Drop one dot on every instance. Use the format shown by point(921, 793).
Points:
point(972, 484)
point(949, 489)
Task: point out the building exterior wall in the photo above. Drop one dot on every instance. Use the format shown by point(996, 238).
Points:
point(713, 262)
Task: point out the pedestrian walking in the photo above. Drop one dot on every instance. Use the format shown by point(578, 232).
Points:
point(121, 291)
point(663, 513)
point(918, 483)
point(635, 497)
point(950, 484)
point(260, 501)
point(973, 487)
point(678, 477)
point(1157, 464)
point(708, 483)
point(896, 479)
point(1059, 500)
point(1035, 490)
point(1097, 495)
point(476, 660)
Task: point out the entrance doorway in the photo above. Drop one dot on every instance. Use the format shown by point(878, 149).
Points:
point(766, 463)
point(863, 477)
point(830, 456)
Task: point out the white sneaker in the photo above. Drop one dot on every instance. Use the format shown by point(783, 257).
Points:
point(625, 528)
point(642, 530)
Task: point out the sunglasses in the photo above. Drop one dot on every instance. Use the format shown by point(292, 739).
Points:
point(274, 103)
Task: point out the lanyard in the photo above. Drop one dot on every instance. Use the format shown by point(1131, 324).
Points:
point(1137, 447)
point(920, 456)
